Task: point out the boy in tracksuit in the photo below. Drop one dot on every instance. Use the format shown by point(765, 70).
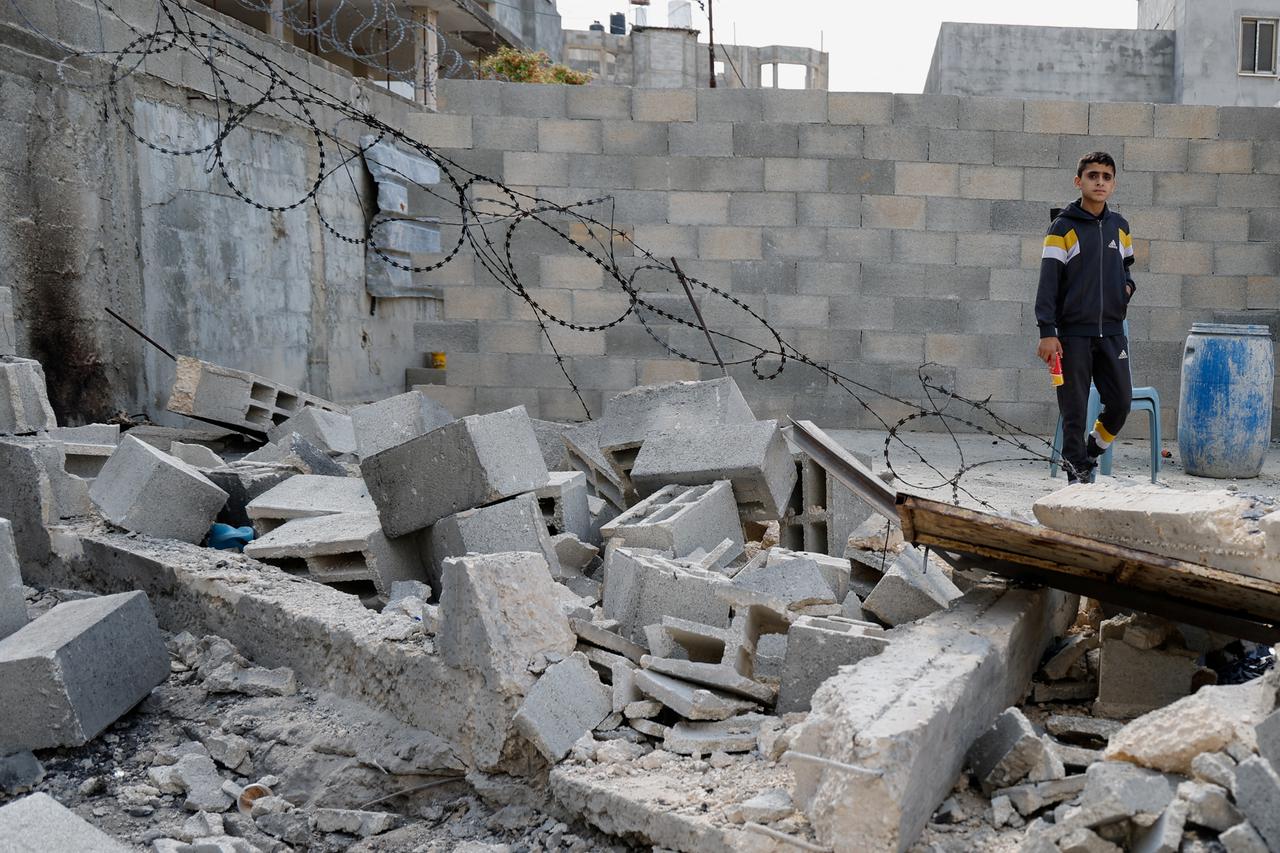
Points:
point(1081, 302)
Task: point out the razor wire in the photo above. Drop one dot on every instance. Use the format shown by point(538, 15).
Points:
point(491, 218)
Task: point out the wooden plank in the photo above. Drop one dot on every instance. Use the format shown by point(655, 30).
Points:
point(954, 528)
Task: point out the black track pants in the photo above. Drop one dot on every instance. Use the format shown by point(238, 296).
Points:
point(1099, 360)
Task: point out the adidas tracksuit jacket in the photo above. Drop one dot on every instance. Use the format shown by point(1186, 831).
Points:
point(1082, 299)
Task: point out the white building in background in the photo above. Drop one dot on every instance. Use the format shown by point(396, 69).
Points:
point(1219, 52)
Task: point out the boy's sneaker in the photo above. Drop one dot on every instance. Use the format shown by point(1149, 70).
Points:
point(1084, 476)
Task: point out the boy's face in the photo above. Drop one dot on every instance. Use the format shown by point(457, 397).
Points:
point(1097, 183)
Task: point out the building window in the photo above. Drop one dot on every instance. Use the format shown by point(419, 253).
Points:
point(1258, 46)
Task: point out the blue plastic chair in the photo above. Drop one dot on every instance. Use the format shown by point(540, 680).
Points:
point(1145, 399)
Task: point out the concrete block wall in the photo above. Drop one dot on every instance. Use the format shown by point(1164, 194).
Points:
point(875, 232)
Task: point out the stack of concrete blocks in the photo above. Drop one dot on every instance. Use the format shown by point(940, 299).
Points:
point(71, 673)
point(236, 398)
point(39, 822)
point(308, 496)
point(751, 456)
point(582, 447)
point(821, 511)
point(679, 520)
point(634, 415)
point(816, 649)
point(563, 502)
point(343, 547)
point(397, 235)
point(24, 402)
point(146, 491)
point(912, 588)
point(332, 432)
point(13, 603)
point(395, 420)
point(1144, 664)
point(514, 524)
point(86, 448)
point(8, 326)
point(641, 588)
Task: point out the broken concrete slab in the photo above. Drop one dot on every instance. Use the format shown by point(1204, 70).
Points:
point(575, 556)
point(13, 603)
point(888, 735)
point(195, 455)
point(1007, 752)
point(332, 432)
point(343, 547)
point(1214, 528)
point(38, 823)
point(1134, 681)
point(462, 465)
point(678, 520)
point(24, 401)
point(395, 420)
point(243, 482)
point(816, 649)
point(146, 491)
point(551, 442)
point(911, 589)
point(630, 417)
point(1116, 790)
point(796, 582)
point(640, 590)
point(582, 448)
point(308, 496)
point(361, 824)
point(1208, 805)
point(1257, 795)
point(1076, 727)
point(71, 673)
point(689, 700)
point(836, 570)
point(1031, 797)
point(599, 635)
point(735, 734)
point(563, 501)
point(1169, 738)
point(1072, 650)
point(299, 454)
point(718, 676)
point(752, 456)
point(235, 397)
point(567, 702)
point(506, 526)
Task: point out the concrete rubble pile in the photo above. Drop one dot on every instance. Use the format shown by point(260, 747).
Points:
point(687, 598)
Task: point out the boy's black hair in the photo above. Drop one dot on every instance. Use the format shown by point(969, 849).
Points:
point(1102, 158)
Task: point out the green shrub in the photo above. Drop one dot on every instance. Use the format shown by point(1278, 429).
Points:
point(527, 66)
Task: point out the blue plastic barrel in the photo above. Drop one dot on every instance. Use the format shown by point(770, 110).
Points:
point(1224, 410)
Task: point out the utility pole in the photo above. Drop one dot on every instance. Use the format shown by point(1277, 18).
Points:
point(711, 44)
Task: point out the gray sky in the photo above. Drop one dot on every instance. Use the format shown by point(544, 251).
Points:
point(874, 47)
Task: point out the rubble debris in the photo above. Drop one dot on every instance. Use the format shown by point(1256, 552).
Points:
point(1171, 737)
point(563, 501)
point(296, 452)
point(8, 334)
point(462, 465)
point(796, 581)
point(308, 496)
point(835, 569)
point(582, 448)
point(343, 547)
point(394, 420)
point(766, 807)
point(332, 432)
point(24, 401)
point(575, 556)
point(87, 447)
point(20, 772)
point(1008, 752)
point(195, 455)
point(510, 525)
point(236, 398)
point(752, 456)
point(678, 520)
point(1214, 528)
point(147, 491)
point(1032, 797)
point(13, 603)
point(1066, 658)
point(244, 482)
point(640, 590)
point(599, 635)
point(551, 442)
point(816, 649)
point(361, 824)
point(38, 823)
point(1243, 838)
point(915, 713)
point(689, 700)
point(822, 514)
point(911, 589)
point(567, 702)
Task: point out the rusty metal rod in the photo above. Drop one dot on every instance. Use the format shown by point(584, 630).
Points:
point(698, 313)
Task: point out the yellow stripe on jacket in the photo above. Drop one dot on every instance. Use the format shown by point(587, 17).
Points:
point(1064, 248)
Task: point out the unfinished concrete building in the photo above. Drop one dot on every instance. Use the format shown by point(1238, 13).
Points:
point(368, 518)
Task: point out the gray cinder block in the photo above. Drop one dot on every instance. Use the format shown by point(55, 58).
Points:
point(816, 649)
point(911, 589)
point(794, 583)
point(462, 465)
point(753, 457)
point(71, 673)
point(582, 453)
point(24, 402)
point(243, 482)
point(511, 525)
point(146, 491)
point(395, 420)
point(236, 397)
point(13, 604)
point(307, 496)
point(299, 454)
point(39, 823)
point(563, 501)
point(1006, 752)
point(678, 520)
point(567, 702)
point(332, 432)
point(640, 590)
point(8, 332)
